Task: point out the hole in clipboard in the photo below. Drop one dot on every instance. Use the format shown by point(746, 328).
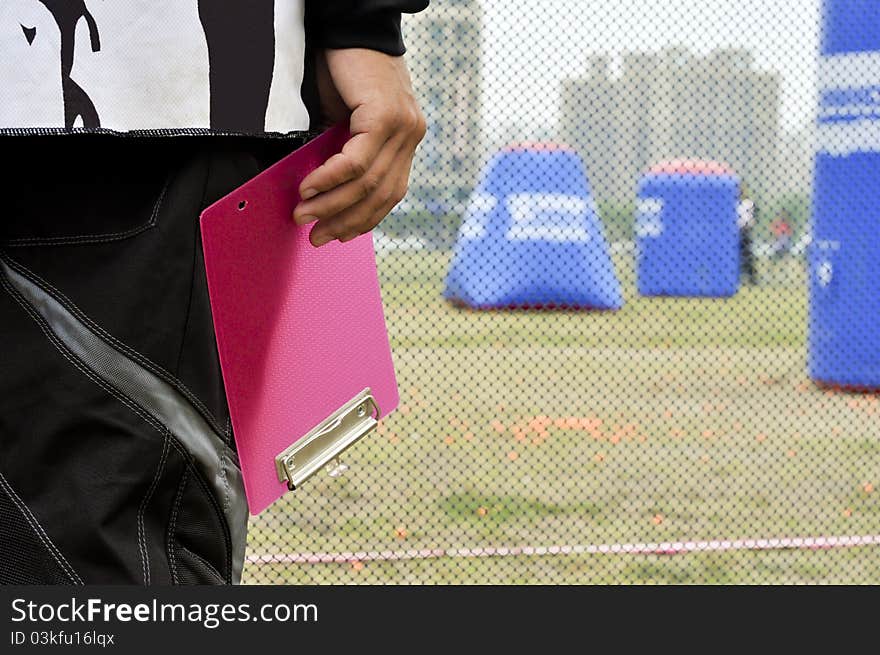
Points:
point(242, 205)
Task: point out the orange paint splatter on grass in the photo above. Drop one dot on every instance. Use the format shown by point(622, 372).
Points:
point(482, 511)
point(540, 423)
point(599, 457)
point(498, 426)
point(657, 519)
point(449, 440)
point(791, 453)
point(761, 438)
point(847, 512)
point(357, 565)
point(401, 532)
point(512, 455)
point(468, 436)
point(868, 488)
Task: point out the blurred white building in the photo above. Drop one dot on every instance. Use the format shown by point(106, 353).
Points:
point(668, 105)
point(444, 55)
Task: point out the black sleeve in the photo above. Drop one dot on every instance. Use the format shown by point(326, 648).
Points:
point(373, 24)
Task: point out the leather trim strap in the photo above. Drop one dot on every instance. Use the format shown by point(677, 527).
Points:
point(155, 396)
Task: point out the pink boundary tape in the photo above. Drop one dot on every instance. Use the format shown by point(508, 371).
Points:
point(659, 548)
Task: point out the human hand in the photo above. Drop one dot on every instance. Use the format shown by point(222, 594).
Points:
point(355, 189)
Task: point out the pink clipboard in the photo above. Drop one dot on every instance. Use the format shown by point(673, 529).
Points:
point(300, 330)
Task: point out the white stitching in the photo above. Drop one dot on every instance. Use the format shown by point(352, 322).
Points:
point(41, 534)
point(155, 368)
point(94, 238)
point(223, 462)
point(88, 373)
point(133, 354)
point(142, 536)
point(172, 560)
point(211, 568)
point(161, 429)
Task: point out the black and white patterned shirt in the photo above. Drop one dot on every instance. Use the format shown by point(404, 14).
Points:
point(175, 66)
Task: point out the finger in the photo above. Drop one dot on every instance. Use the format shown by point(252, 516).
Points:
point(352, 223)
point(354, 160)
point(337, 200)
point(362, 217)
point(348, 236)
point(369, 212)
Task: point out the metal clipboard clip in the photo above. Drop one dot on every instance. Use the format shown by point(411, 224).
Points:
point(323, 444)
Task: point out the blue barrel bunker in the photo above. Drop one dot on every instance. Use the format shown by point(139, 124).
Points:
point(844, 254)
point(687, 239)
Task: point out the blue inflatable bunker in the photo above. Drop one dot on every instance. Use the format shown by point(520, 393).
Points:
point(687, 240)
point(844, 254)
point(531, 236)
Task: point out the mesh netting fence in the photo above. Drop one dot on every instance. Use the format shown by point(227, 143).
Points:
point(633, 302)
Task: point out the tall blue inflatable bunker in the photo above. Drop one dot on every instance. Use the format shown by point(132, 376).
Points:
point(687, 240)
point(844, 255)
point(531, 236)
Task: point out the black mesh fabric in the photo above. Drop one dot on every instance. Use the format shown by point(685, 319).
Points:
point(197, 537)
point(26, 559)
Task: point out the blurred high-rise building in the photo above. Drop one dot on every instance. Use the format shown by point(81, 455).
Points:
point(672, 104)
point(444, 57)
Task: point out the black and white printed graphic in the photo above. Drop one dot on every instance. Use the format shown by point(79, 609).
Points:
point(125, 65)
point(241, 51)
point(67, 13)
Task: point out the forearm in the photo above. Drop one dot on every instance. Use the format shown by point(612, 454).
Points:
point(342, 24)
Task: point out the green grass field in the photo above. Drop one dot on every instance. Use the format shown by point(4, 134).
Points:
point(670, 420)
